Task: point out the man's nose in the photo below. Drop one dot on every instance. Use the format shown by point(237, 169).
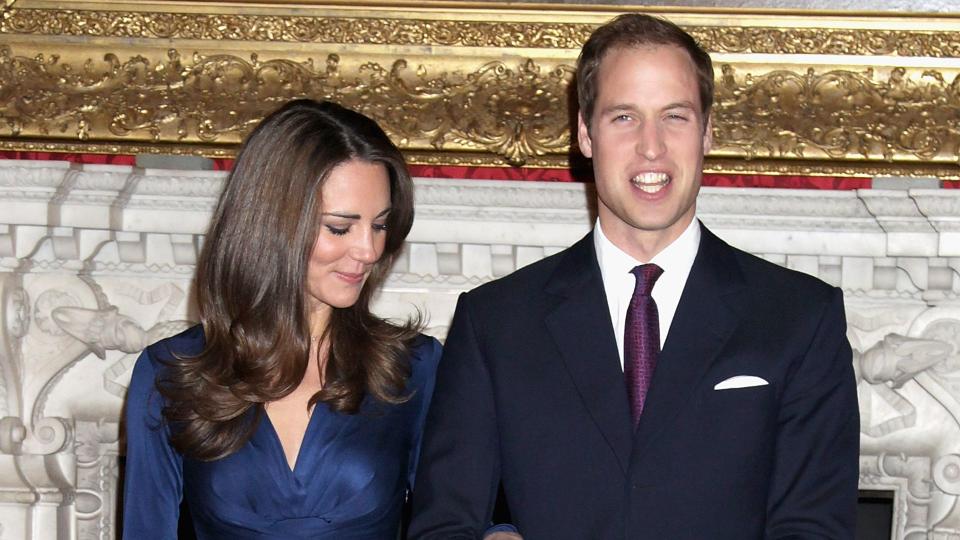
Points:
point(650, 143)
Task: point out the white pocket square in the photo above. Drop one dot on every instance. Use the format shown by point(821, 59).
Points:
point(740, 381)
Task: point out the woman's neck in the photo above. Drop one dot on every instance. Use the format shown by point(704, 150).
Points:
point(319, 320)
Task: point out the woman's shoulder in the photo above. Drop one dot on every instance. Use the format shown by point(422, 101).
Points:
point(155, 358)
point(424, 348)
point(190, 342)
point(424, 356)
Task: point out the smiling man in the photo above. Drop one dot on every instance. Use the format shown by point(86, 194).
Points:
point(650, 381)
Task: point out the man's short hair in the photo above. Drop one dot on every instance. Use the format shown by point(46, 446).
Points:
point(637, 30)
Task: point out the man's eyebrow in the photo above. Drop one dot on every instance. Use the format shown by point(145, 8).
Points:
point(617, 108)
point(626, 107)
point(681, 105)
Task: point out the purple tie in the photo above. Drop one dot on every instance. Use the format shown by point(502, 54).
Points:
point(641, 338)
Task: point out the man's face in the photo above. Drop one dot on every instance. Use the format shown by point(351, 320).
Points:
point(647, 141)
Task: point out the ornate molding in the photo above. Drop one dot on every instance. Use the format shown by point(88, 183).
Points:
point(463, 31)
point(473, 85)
point(852, 42)
point(907, 114)
point(481, 194)
point(910, 412)
point(320, 28)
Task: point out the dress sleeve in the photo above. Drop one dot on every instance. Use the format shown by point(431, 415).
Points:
point(428, 358)
point(153, 481)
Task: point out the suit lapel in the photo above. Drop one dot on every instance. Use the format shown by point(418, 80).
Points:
point(580, 325)
point(704, 321)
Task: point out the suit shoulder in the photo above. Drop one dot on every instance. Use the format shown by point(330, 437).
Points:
point(520, 283)
point(771, 277)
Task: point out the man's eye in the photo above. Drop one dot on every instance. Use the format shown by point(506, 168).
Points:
point(337, 231)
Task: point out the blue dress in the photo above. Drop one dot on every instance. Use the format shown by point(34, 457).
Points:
point(350, 479)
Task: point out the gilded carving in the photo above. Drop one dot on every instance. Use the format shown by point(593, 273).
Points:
point(514, 111)
point(297, 28)
point(839, 113)
point(477, 86)
point(463, 32)
point(757, 40)
point(511, 111)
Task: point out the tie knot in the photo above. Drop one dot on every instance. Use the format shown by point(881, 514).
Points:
point(647, 275)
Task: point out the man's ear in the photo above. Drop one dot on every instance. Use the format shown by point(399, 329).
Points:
point(583, 137)
point(708, 135)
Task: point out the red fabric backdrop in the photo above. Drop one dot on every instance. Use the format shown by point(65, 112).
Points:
point(514, 173)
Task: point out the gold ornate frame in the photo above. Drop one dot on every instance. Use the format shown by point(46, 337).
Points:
point(470, 83)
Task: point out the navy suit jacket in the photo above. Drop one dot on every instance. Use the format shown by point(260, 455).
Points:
point(530, 395)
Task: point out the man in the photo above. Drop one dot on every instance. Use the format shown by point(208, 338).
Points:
point(553, 386)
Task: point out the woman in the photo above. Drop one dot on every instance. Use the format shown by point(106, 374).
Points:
point(290, 411)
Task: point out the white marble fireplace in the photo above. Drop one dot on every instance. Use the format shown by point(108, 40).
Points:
point(96, 262)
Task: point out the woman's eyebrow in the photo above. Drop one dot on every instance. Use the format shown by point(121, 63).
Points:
point(346, 215)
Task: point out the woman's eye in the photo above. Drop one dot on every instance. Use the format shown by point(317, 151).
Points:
point(379, 226)
point(337, 231)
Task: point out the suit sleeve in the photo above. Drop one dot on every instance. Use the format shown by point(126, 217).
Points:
point(816, 470)
point(153, 483)
point(459, 469)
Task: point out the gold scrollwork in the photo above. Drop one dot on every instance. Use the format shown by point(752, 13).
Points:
point(460, 33)
point(838, 114)
point(511, 111)
point(732, 39)
point(297, 28)
point(478, 85)
point(515, 111)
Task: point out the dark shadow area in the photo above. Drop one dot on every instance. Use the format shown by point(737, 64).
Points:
point(581, 168)
point(185, 528)
point(121, 466)
point(501, 512)
point(874, 515)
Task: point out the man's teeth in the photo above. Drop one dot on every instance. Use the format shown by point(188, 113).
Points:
point(651, 182)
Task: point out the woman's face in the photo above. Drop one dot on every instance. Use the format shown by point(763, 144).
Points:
point(353, 230)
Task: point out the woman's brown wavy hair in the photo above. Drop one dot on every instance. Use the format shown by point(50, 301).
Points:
point(251, 289)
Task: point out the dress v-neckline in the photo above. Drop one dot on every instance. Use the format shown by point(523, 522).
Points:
point(278, 444)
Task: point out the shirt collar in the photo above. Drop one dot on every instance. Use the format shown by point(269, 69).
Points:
point(676, 257)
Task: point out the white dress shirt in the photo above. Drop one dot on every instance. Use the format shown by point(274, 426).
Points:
point(618, 283)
